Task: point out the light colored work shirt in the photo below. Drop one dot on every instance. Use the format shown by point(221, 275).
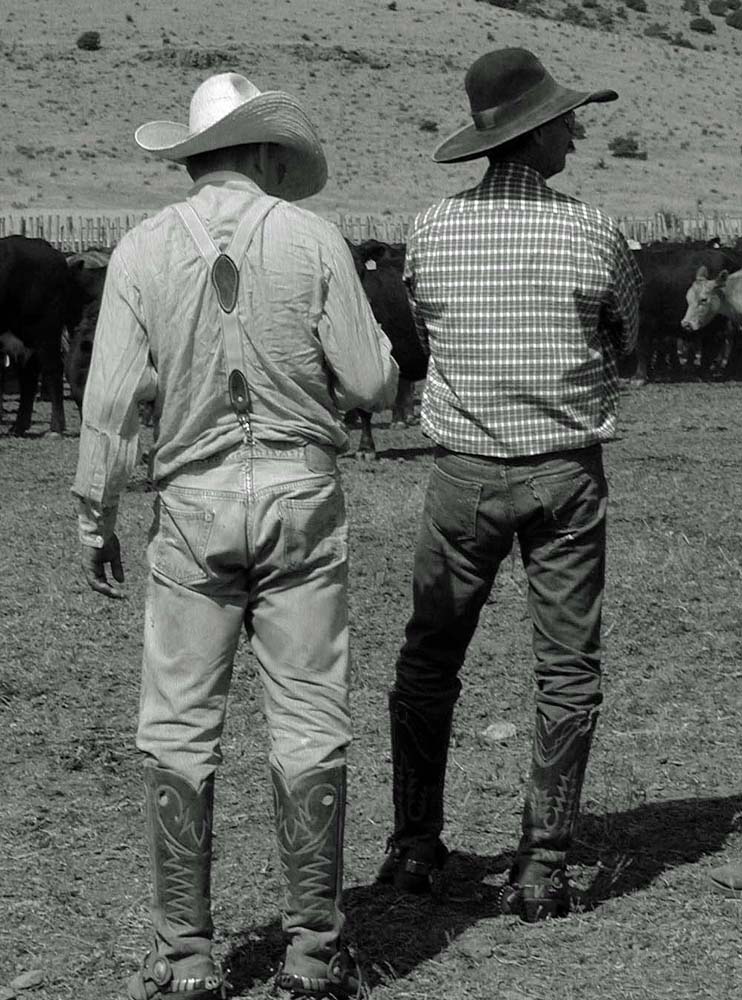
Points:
point(159, 338)
point(525, 297)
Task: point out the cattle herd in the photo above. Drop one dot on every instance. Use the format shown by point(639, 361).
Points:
point(691, 315)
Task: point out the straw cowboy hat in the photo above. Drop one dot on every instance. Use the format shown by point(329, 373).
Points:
point(228, 110)
point(510, 93)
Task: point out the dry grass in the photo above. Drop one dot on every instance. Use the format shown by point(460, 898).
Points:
point(662, 798)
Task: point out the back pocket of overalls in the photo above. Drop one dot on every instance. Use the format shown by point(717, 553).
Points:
point(180, 543)
point(314, 530)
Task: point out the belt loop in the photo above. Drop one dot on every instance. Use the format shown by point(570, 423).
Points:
point(319, 458)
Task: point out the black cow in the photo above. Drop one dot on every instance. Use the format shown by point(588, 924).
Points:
point(387, 296)
point(77, 361)
point(39, 296)
point(668, 270)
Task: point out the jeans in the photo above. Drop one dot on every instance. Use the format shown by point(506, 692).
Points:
point(259, 536)
point(474, 508)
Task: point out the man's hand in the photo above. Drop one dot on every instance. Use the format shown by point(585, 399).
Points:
point(94, 562)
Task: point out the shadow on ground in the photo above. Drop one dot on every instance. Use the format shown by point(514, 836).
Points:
point(394, 933)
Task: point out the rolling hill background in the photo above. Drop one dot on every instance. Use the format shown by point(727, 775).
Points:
point(384, 82)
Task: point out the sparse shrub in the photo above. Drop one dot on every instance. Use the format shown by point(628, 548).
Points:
point(702, 25)
point(691, 7)
point(590, 4)
point(572, 14)
point(626, 147)
point(89, 40)
point(428, 125)
point(638, 5)
point(734, 20)
point(734, 4)
point(657, 30)
point(681, 42)
point(718, 7)
point(604, 19)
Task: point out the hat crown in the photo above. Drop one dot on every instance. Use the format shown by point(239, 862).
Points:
point(503, 76)
point(216, 97)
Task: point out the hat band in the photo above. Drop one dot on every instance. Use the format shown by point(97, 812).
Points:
point(544, 90)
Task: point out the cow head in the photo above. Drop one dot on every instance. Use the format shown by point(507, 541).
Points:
point(705, 299)
point(86, 289)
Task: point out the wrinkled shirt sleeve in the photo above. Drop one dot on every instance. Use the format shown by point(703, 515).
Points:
point(121, 375)
point(356, 349)
point(627, 288)
point(410, 282)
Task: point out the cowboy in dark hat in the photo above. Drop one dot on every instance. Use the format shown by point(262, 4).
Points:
point(525, 298)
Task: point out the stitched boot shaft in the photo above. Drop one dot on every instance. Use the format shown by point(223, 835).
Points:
point(538, 888)
point(179, 823)
point(419, 756)
point(560, 753)
point(310, 818)
point(179, 820)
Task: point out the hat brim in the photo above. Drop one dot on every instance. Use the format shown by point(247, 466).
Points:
point(271, 116)
point(470, 142)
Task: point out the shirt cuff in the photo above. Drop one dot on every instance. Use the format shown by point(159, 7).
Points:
point(95, 524)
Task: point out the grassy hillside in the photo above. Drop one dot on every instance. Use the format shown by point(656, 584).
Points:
point(384, 81)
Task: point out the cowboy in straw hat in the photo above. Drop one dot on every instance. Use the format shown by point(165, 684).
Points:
point(227, 110)
point(525, 297)
point(242, 317)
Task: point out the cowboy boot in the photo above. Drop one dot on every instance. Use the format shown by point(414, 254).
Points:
point(537, 886)
point(419, 756)
point(310, 820)
point(179, 819)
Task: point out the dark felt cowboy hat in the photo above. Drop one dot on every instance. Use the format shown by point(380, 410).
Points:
point(510, 93)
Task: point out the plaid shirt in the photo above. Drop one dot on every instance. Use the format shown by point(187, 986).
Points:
point(524, 296)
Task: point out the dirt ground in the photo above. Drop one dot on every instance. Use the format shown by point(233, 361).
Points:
point(662, 800)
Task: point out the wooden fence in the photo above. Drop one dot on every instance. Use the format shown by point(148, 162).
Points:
point(82, 229)
point(663, 226)
point(72, 232)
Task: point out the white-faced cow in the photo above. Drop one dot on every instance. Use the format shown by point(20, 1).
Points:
point(667, 271)
point(709, 299)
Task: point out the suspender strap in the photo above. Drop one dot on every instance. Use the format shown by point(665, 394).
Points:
point(225, 277)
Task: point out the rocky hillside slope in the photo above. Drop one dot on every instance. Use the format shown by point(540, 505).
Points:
point(384, 81)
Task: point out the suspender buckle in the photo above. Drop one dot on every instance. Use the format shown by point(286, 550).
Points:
point(239, 394)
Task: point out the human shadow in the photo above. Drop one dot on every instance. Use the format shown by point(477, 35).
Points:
point(394, 933)
point(636, 846)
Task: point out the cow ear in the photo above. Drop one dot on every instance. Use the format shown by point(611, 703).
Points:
point(702, 273)
point(721, 278)
point(76, 265)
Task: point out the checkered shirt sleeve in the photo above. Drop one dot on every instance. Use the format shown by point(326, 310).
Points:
point(525, 297)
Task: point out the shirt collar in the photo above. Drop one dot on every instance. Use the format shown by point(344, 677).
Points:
point(226, 178)
point(513, 172)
